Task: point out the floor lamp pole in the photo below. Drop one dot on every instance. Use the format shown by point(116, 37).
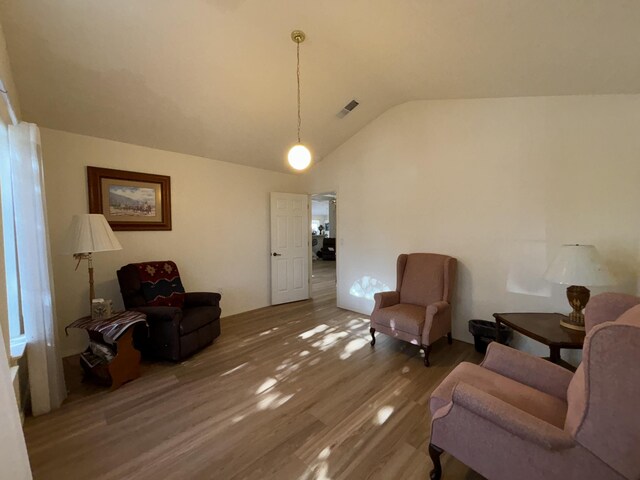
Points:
point(92, 290)
point(89, 258)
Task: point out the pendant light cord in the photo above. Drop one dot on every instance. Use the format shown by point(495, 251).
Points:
point(298, 78)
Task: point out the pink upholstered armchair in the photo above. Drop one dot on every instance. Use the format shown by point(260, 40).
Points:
point(419, 310)
point(519, 416)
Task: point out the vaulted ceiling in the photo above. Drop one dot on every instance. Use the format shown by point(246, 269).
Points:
point(216, 78)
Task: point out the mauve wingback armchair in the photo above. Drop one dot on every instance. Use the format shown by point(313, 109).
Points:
point(419, 310)
point(520, 416)
point(180, 323)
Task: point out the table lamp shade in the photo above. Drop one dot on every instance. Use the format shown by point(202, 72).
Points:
point(579, 265)
point(88, 233)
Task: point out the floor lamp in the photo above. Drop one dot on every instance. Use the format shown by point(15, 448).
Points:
point(90, 233)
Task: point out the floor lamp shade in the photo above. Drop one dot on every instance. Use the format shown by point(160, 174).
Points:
point(89, 233)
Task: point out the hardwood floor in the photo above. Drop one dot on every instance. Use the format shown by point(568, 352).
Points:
point(286, 392)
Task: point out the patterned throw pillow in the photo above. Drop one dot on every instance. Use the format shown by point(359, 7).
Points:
point(161, 284)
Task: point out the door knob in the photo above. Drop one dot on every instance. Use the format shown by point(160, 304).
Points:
point(277, 254)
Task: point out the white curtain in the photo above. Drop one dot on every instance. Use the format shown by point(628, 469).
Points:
point(46, 377)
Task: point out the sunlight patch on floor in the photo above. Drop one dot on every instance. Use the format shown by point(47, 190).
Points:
point(383, 414)
point(310, 333)
point(267, 332)
point(329, 340)
point(235, 369)
point(324, 454)
point(358, 324)
point(273, 400)
point(284, 364)
point(286, 367)
point(318, 470)
point(353, 346)
point(238, 418)
point(266, 385)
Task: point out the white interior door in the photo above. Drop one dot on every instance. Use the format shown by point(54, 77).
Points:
point(290, 230)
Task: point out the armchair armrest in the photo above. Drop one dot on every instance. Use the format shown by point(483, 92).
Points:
point(201, 299)
point(533, 371)
point(160, 314)
point(437, 321)
point(510, 418)
point(386, 299)
point(437, 308)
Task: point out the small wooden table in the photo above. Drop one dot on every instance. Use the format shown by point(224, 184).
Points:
point(125, 365)
point(546, 329)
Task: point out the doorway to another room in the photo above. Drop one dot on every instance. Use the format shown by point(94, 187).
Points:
point(323, 246)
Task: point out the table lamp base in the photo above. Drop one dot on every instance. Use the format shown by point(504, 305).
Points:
point(578, 298)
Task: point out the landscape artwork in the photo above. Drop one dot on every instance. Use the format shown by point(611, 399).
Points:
point(130, 200)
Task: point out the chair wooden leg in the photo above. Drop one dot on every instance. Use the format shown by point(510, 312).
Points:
point(449, 338)
point(372, 331)
point(434, 453)
point(427, 351)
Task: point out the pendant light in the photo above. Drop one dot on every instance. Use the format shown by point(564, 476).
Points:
point(299, 156)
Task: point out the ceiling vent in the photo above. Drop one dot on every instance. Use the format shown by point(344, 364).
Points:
point(348, 108)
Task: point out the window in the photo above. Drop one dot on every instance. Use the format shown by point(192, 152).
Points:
point(16, 326)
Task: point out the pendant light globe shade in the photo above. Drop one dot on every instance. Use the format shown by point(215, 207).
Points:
point(299, 157)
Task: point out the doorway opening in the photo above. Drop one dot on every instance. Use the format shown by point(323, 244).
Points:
point(323, 246)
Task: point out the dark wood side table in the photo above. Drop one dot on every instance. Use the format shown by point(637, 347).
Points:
point(544, 328)
point(115, 331)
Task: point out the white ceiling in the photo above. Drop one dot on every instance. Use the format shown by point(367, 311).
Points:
point(216, 78)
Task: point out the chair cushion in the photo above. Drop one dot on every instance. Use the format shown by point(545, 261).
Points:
point(402, 316)
point(160, 284)
point(197, 317)
point(539, 404)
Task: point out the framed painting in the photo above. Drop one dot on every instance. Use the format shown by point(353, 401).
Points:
point(130, 200)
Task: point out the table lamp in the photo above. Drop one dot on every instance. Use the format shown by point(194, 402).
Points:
point(578, 265)
point(87, 234)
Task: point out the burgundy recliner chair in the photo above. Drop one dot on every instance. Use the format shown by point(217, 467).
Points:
point(180, 323)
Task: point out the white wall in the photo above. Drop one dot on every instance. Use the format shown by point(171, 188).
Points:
point(220, 236)
point(497, 183)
